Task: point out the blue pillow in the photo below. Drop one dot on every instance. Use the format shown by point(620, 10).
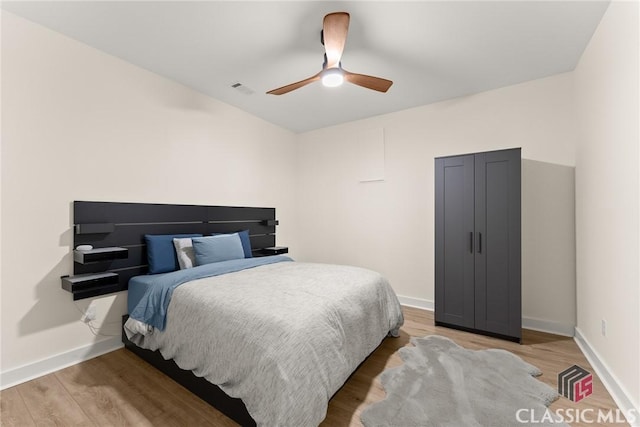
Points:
point(223, 247)
point(244, 239)
point(161, 254)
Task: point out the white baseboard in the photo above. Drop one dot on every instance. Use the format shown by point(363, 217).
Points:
point(549, 326)
point(541, 325)
point(416, 302)
point(42, 367)
point(611, 383)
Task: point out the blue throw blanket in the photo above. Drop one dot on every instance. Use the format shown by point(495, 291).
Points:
point(152, 307)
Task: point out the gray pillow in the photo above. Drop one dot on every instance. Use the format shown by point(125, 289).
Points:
point(184, 252)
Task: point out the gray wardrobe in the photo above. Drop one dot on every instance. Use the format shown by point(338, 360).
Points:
point(477, 243)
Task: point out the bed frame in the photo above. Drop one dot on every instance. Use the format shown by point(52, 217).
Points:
point(233, 408)
point(106, 224)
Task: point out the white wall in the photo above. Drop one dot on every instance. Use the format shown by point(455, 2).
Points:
point(548, 246)
point(388, 225)
point(607, 201)
point(1, 12)
point(81, 125)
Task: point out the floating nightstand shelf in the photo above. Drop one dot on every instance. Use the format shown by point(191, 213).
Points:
point(90, 285)
point(100, 254)
point(275, 250)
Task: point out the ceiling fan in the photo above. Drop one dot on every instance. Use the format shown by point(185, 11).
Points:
point(334, 36)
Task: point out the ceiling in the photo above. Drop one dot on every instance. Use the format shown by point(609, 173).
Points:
point(432, 50)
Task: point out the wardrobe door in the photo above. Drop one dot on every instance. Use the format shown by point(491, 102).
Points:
point(454, 219)
point(497, 258)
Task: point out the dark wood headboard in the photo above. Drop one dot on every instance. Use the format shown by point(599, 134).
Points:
point(107, 224)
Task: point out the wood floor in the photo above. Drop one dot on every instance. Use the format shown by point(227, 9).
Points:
point(119, 389)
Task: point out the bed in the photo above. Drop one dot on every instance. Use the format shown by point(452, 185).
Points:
point(266, 340)
point(282, 336)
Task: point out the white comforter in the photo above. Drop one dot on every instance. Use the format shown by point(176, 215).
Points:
point(282, 337)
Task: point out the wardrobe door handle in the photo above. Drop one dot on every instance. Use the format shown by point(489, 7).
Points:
point(471, 241)
point(479, 242)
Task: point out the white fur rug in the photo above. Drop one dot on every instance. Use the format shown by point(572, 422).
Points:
point(442, 384)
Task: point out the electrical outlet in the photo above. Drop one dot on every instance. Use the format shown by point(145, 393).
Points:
point(603, 326)
point(89, 314)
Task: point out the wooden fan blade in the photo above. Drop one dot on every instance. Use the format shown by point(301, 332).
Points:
point(334, 32)
point(293, 86)
point(370, 82)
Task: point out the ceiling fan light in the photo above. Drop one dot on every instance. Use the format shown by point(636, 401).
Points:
point(332, 77)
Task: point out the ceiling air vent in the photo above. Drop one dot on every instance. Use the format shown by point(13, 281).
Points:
point(242, 88)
